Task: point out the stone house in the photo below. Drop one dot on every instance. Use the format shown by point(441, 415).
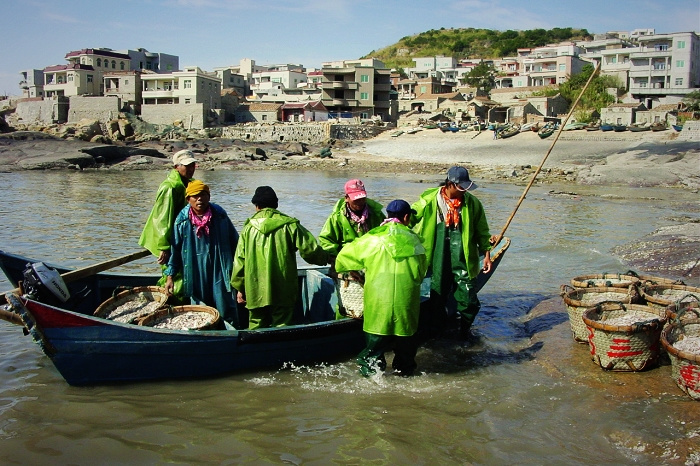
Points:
point(304, 111)
point(621, 114)
point(665, 113)
point(258, 113)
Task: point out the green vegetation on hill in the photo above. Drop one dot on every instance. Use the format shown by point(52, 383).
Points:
point(470, 43)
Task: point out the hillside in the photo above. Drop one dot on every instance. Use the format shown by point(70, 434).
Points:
point(470, 43)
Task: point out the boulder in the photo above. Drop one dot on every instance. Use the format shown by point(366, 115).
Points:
point(125, 128)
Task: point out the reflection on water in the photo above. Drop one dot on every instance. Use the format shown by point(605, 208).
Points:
point(480, 404)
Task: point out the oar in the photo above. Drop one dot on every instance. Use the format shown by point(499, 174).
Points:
point(77, 274)
point(556, 138)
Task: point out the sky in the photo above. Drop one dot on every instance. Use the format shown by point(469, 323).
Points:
point(214, 33)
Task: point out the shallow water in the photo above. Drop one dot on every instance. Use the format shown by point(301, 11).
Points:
point(486, 404)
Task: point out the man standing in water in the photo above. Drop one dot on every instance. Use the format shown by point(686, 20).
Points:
point(352, 217)
point(395, 263)
point(264, 266)
point(170, 200)
point(203, 243)
point(452, 224)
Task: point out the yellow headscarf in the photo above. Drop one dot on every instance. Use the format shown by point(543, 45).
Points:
point(195, 187)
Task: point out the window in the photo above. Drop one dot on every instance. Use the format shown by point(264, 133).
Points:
point(188, 84)
point(70, 78)
point(681, 44)
point(562, 67)
point(169, 67)
point(187, 101)
point(680, 63)
point(99, 62)
point(422, 89)
point(679, 81)
point(114, 65)
point(89, 78)
point(613, 60)
point(364, 95)
point(121, 66)
point(364, 78)
point(264, 117)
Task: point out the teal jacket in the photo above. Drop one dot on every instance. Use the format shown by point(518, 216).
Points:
point(394, 262)
point(264, 266)
point(475, 229)
point(339, 231)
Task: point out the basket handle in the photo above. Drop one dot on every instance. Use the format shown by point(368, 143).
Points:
point(121, 288)
point(599, 306)
point(565, 289)
point(680, 312)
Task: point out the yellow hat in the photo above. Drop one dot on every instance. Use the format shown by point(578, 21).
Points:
point(195, 187)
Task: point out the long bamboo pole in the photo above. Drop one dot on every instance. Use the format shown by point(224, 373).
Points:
point(539, 168)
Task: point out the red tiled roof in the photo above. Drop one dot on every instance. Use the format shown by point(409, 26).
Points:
point(72, 66)
point(104, 53)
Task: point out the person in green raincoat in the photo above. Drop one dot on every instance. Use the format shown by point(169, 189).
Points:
point(203, 243)
point(264, 265)
point(452, 225)
point(170, 200)
point(395, 263)
point(352, 217)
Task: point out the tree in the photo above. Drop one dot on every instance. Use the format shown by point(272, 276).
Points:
point(692, 100)
point(481, 77)
point(596, 96)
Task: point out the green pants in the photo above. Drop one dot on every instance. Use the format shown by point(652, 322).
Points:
point(270, 316)
point(372, 357)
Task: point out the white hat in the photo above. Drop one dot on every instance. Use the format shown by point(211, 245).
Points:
point(184, 157)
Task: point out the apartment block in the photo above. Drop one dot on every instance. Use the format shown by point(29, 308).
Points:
point(84, 72)
point(664, 68)
point(551, 64)
point(32, 83)
point(142, 59)
point(357, 89)
point(125, 85)
point(189, 86)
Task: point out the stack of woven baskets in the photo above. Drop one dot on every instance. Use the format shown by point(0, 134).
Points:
point(626, 319)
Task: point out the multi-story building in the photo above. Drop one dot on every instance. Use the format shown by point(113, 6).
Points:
point(357, 89)
point(551, 64)
point(126, 85)
point(613, 55)
point(189, 86)
point(277, 76)
point(84, 72)
point(32, 83)
point(231, 80)
point(665, 68)
point(142, 59)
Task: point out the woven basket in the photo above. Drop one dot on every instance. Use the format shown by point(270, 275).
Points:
point(351, 296)
point(136, 302)
point(205, 318)
point(653, 280)
point(615, 280)
point(629, 347)
point(663, 296)
point(685, 365)
point(579, 299)
point(688, 310)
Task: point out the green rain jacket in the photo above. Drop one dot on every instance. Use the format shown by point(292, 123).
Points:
point(395, 263)
point(475, 229)
point(264, 266)
point(170, 200)
point(339, 231)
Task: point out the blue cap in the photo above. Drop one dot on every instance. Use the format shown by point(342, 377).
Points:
point(399, 209)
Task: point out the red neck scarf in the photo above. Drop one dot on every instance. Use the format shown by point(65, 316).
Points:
point(201, 224)
point(453, 209)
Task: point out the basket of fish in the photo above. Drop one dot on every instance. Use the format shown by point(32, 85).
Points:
point(624, 337)
point(654, 280)
point(132, 304)
point(663, 296)
point(351, 296)
point(689, 308)
point(577, 300)
point(614, 280)
point(681, 340)
point(188, 317)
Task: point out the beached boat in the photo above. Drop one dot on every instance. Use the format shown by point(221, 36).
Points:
point(606, 127)
point(527, 127)
point(592, 127)
point(658, 127)
point(414, 130)
point(396, 134)
point(638, 128)
point(574, 126)
point(509, 131)
point(678, 128)
point(546, 131)
point(619, 128)
point(90, 350)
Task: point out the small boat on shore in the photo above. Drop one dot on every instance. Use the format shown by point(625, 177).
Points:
point(509, 131)
point(638, 128)
point(396, 134)
point(546, 131)
point(619, 128)
point(574, 126)
point(658, 127)
point(606, 127)
point(90, 350)
point(678, 128)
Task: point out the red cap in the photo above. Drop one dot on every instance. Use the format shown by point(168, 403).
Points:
point(355, 189)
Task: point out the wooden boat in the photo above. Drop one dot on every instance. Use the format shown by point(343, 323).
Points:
point(574, 126)
point(638, 128)
point(414, 130)
point(619, 128)
point(658, 127)
point(396, 134)
point(678, 128)
point(527, 127)
point(509, 131)
point(546, 131)
point(606, 127)
point(430, 126)
point(90, 350)
point(592, 127)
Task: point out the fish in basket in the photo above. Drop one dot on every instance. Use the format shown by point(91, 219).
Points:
point(663, 296)
point(624, 337)
point(577, 300)
point(654, 280)
point(351, 295)
point(690, 307)
point(132, 304)
point(188, 317)
point(615, 280)
point(681, 340)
